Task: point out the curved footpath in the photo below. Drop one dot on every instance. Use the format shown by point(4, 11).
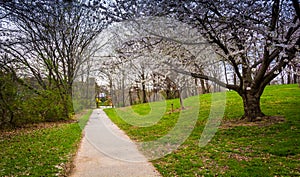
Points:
point(106, 151)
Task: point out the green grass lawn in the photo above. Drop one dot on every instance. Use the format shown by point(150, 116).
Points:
point(40, 151)
point(272, 150)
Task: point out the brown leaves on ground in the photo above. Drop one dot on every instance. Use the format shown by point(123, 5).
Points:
point(260, 122)
point(28, 128)
point(239, 157)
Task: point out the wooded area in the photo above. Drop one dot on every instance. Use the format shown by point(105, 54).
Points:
point(169, 48)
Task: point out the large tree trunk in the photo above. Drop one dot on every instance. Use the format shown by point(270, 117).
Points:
point(252, 109)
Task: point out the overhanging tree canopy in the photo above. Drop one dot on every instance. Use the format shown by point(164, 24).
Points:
point(257, 39)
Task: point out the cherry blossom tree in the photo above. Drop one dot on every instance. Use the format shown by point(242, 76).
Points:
point(257, 40)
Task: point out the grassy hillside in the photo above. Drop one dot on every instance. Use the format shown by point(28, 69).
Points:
point(242, 149)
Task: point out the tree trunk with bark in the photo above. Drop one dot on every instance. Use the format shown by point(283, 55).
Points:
point(181, 99)
point(144, 92)
point(130, 97)
point(251, 102)
point(203, 89)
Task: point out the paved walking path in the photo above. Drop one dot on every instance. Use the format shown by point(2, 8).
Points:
point(106, 151)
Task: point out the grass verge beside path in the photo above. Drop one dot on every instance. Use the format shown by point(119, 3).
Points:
point(42, 151)
point(265, 150)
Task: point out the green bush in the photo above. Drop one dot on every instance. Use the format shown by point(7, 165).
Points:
point(21, 105)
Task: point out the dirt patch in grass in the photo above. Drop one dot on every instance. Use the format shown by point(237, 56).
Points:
point(69, 166)
point(28, 128)
point(239, 157)
point(174, 111)
point(178, 110)
point(260, 122)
